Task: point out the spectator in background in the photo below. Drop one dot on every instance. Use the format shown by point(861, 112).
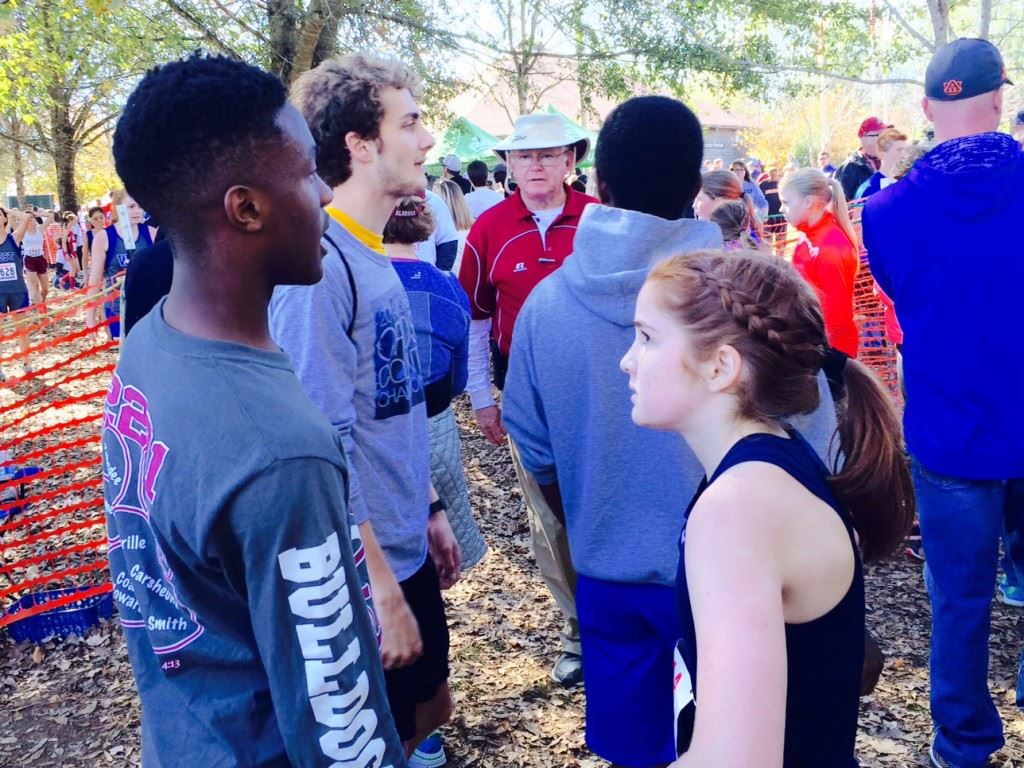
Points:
point(733, 218)
point(750, 188)
point(440, 314)
point(112, 249)
point(861, 164)
point(500, 179)
point(13, 288)
point(482, 197)
point(462, 218)
point(451, 170)
point(72, 235)
point(724, 185)
point(775, 224)
point(1018, 127)
point(962, 421)
point(825, 163)
point(892, 146)
point(442, 248)
point(827, 254)
point(36, 266)
point(511, 248)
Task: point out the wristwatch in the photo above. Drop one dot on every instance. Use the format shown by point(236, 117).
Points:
point(437, 506)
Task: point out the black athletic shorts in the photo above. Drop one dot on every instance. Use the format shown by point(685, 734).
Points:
point(420, 681)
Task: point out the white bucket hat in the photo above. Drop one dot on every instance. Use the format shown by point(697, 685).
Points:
point(542, 131)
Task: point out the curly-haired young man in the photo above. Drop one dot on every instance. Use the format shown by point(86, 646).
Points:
point(230, 548)
point(352, 340)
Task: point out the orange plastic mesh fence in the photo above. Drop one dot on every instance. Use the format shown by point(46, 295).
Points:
point(876, 352)
point(52, 527)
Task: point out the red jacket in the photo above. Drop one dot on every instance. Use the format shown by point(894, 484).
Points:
point(828, 261)
point(506, 257)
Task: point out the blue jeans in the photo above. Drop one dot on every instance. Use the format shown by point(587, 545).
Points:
point(961, 524)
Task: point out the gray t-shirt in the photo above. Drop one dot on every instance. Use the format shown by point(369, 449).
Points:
point(369, 386)
point(12, 269)
point(246, 617)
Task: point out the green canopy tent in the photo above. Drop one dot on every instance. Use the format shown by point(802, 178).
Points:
point(465, 140)
point(575, 128)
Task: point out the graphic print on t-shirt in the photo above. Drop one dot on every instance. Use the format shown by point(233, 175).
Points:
point(143, 580)
point(396, 360)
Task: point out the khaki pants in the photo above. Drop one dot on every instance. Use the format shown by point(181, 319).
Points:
point(551, 550)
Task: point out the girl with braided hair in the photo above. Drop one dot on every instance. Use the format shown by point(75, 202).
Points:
point(770, 589)
point(826, 253)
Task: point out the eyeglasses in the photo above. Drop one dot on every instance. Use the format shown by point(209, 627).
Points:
point(872, 135)
point(547, 158)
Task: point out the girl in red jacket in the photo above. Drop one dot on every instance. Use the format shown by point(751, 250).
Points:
point(826, 254)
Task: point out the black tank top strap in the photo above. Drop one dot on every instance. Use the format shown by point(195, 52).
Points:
point(793, 455)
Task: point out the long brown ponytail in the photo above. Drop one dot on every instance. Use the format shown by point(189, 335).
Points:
point(759, 305)
point(874, 480)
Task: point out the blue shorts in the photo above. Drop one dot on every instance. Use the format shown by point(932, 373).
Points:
point(628, 633)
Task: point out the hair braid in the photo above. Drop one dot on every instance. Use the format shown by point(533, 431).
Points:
point(760, 306)
point(762, 320)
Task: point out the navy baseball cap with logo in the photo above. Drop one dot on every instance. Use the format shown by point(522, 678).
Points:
point(964, 68)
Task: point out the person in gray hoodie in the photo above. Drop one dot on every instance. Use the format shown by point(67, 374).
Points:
point(622, 490)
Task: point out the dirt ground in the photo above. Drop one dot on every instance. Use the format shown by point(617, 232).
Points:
point(73, 703)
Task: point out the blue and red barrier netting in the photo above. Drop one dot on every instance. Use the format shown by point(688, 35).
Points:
point(52, 528)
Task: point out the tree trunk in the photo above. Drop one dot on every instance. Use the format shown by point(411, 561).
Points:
point(18, 156)
point(65, 150)
point(939, 12)
point(986, 19)
point(283, 34)
point(308, 37)
point(19, 173)
point(327, 45)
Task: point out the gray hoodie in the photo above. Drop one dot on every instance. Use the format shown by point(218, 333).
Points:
point(567, 406)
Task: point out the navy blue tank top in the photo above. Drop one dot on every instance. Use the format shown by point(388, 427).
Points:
point(12, 272)
point(824, 657)
point(118, 255)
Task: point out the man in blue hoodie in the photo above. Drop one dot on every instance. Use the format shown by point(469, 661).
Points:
point(622, 489)
point(964, 374)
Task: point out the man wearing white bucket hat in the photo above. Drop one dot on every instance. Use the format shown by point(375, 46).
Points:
point(509, 250)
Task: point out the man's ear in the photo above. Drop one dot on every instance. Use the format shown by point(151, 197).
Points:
point(360, 149)
point(245, 208)
point(926, 107)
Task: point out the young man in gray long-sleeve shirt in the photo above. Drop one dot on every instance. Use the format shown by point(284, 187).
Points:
point(353, 343)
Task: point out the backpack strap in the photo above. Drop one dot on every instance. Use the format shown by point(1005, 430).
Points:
point(351, 286)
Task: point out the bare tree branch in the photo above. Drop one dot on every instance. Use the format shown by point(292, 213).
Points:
point(22, 141)
point(928, 44)
point(208, 34)
point(774, 69)
point(97, 129)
